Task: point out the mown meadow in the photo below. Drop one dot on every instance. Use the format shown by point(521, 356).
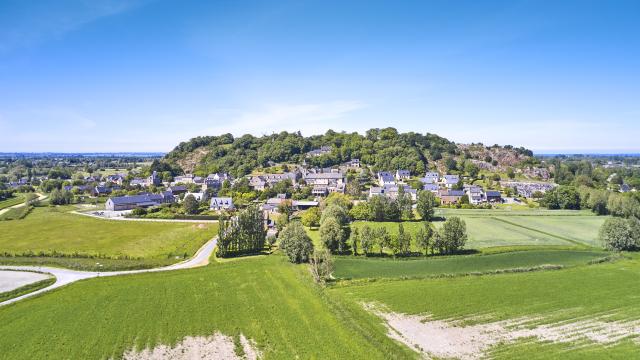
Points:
point(55, 233)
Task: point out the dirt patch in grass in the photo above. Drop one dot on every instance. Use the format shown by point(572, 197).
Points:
point(453, 339)
point(217, 346)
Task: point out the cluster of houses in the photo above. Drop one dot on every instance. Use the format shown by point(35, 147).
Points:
point(322, 181)
point(175, 191)
point(527, 189)
point(389, 185)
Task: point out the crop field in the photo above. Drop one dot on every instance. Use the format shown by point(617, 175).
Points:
point(17, 199)
point(579, 295)
point(54, 231)
point(348, 267)
point(266, 299)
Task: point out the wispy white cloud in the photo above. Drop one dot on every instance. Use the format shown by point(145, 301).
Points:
point(311, 118)
point(30, 23)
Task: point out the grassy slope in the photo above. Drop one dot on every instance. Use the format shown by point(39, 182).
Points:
point(358, 268)
point(53, 229)
point(19, 198)
point(267, 299)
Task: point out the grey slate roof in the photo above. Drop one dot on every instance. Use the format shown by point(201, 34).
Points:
point(137, 199)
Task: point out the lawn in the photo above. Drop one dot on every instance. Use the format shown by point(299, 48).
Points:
point(15, 200)
point(348, 267)
point(267, 299)
point(581, 292)
point(55, 231)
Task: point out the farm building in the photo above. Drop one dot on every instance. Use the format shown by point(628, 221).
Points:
point(130, 202)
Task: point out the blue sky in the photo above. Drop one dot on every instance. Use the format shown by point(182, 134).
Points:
point(123, 75)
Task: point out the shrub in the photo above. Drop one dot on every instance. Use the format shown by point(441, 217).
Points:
point(620, 234)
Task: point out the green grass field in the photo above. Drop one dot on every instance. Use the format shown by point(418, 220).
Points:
point(500, 228)
point(266, 299)
point(583, 229)
point(348, 267)
point(50, 231)
point(581, 292)
point(17, 199)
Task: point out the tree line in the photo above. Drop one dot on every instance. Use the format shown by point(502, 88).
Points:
point(243, 234)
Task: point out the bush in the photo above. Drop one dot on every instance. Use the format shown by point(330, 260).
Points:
point(620, 234)
point(138, 212)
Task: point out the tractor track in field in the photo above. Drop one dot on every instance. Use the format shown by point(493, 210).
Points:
point(582, 245)
point(66, 276)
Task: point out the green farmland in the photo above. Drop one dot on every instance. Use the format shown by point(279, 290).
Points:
point(496, 228)
point(580, 293)
point(54, 231)
point(359, 267)
point(267, 299)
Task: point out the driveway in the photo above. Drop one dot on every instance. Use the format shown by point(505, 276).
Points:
point(66, 276)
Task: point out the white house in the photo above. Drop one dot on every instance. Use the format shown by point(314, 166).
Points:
point(385, 178)
point(431, 177)
point(221, 203)
point(200, 196)
point(402, 175)
point(450, 180)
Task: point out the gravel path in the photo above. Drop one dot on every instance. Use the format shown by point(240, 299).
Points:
point(66, 276)
point(10, 280)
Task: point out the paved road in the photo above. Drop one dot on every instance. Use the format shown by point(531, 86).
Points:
point(122, 218)
point(66, 276)
point(40, 198)
point(10, 280)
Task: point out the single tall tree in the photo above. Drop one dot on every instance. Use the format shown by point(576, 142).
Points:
point(426, 205)
point(331, 234)
point(190, 204)
point(367, 239)
point(355, 239)
point(295, 242)
point(424, 238)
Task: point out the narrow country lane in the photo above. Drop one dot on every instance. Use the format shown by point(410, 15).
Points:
point(66, 276)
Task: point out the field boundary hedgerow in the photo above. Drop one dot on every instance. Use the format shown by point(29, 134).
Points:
point(8, 295)
point(363, 281)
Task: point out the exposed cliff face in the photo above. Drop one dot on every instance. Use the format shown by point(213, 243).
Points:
point(499, 157)
point(191, 159)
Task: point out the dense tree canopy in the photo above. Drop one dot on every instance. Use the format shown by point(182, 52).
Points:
point(383, 149)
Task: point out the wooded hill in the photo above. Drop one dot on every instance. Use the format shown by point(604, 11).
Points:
point(382, 149)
